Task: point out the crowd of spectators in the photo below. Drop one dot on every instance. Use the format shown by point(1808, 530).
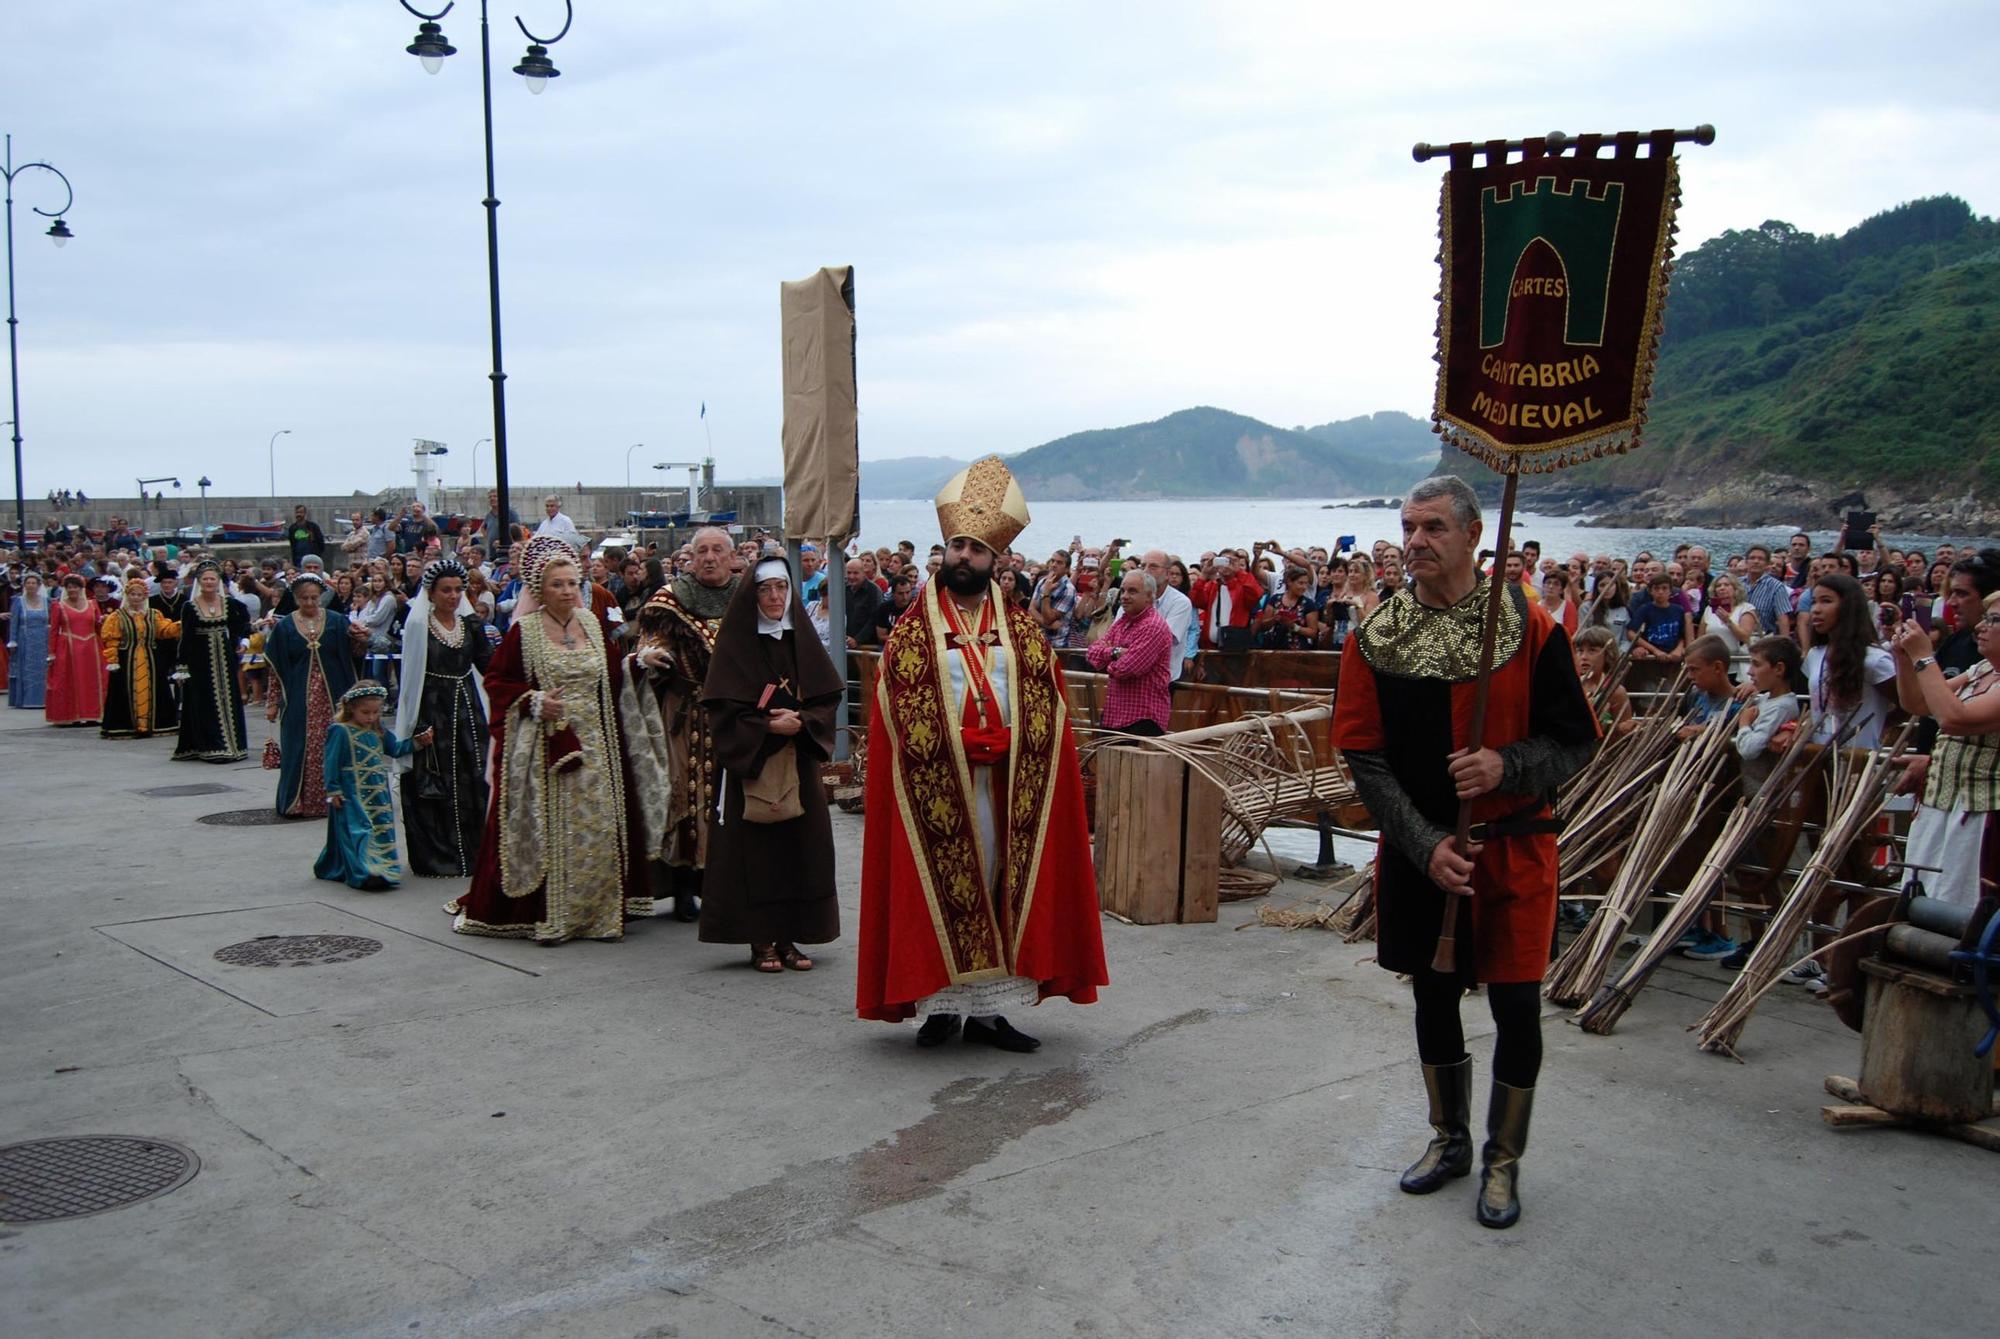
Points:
point(1842, 610)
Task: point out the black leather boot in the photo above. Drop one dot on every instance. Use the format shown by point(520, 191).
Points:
point(1450, 1152)
point(1507, 1112)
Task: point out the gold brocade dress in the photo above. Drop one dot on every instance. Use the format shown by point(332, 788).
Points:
point(585, 810)
point(556, 867)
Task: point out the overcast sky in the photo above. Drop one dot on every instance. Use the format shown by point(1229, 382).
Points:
point(1062, 215)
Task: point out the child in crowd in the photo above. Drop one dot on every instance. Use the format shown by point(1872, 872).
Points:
point(1711, 696)
point(1776, 675)
point(1762, 734)
point(1596, 651)
point(1659, 630)
point(1711, 693)
point(360, 824)
point(253, 669)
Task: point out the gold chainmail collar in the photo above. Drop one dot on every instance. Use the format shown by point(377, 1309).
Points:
point(1414, 641)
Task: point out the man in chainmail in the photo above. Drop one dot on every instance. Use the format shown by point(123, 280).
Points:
point(1408, 676)
point(677, 630)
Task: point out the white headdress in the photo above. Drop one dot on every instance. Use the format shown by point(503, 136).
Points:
point(771, 569)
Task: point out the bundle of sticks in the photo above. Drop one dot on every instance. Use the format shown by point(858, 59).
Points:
point(1858, 787)
point(1691, 783)
point(1356, 920)
point(1752, 817)
point(1603, 802)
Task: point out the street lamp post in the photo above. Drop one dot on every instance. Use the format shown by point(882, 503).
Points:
point(272, 451)
point(475, 471)
point(58, 233)
point(145, 504)
point(204, 484)
point(536, 69)
point(628, 461)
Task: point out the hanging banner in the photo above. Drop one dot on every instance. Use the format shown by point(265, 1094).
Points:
point(822, 465)
point(1555, 284)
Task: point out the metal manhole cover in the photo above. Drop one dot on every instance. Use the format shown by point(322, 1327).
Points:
point(297, 950)
point(199, 788)
point(243, 818)
point(49, 1179)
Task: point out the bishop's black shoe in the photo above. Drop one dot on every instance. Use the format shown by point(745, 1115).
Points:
point(1000, 1033)
point(938, 1029)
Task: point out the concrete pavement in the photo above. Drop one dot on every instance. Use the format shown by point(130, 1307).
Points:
point(455, 1136)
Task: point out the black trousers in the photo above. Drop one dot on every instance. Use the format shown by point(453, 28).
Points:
point(1142, 726)
point(1517, 1019)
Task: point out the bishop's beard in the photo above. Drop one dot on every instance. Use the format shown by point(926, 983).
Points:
point(962, 578)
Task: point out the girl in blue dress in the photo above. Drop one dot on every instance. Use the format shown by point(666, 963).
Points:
point(360, 824)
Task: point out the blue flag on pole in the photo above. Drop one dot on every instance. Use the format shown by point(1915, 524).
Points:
point(704, 409)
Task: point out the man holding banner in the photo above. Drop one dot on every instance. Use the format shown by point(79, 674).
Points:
point(1401, 720)
point(1459, 708)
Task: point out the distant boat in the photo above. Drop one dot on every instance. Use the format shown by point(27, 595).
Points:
point(249, 532)
point(11, 539)
point(675, 520)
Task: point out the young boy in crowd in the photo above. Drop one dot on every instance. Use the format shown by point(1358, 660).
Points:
point(1710, 691)
point(1659, 634)
point(1711, 695)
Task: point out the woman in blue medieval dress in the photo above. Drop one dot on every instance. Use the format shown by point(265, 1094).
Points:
point(312, 666)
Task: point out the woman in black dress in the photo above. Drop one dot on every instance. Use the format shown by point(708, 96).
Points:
point(213, 627)
point(445, 650)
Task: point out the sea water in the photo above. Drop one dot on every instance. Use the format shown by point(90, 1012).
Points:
point(1189, 528)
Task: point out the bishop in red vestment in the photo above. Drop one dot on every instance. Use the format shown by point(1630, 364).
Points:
point(978, 894)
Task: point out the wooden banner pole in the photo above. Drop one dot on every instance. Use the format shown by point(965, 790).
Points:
point(1446, 958)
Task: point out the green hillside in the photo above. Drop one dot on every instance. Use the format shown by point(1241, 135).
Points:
point(1857, 361)
point(1388, 433)
point(1206, 452)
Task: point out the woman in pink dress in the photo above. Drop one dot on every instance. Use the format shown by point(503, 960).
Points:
point(76, 659)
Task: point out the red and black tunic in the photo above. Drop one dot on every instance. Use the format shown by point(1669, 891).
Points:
point(1407, 682)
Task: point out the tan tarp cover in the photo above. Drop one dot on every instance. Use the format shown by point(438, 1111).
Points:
point(822, 467)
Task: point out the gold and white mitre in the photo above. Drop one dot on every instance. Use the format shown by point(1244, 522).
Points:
point(983, 502)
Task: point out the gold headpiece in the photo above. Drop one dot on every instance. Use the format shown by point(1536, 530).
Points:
point(983, 502)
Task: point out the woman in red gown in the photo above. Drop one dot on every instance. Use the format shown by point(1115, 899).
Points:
point(76, 659)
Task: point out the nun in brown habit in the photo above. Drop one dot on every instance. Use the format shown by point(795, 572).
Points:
point(771, 696)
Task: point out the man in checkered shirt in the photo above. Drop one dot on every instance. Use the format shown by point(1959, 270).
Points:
point(1138, 653)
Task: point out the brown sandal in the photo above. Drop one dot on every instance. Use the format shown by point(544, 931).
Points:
point(764, 957)
point(789, 955)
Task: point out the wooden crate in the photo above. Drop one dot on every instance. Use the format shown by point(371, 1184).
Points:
point(1159, 838)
